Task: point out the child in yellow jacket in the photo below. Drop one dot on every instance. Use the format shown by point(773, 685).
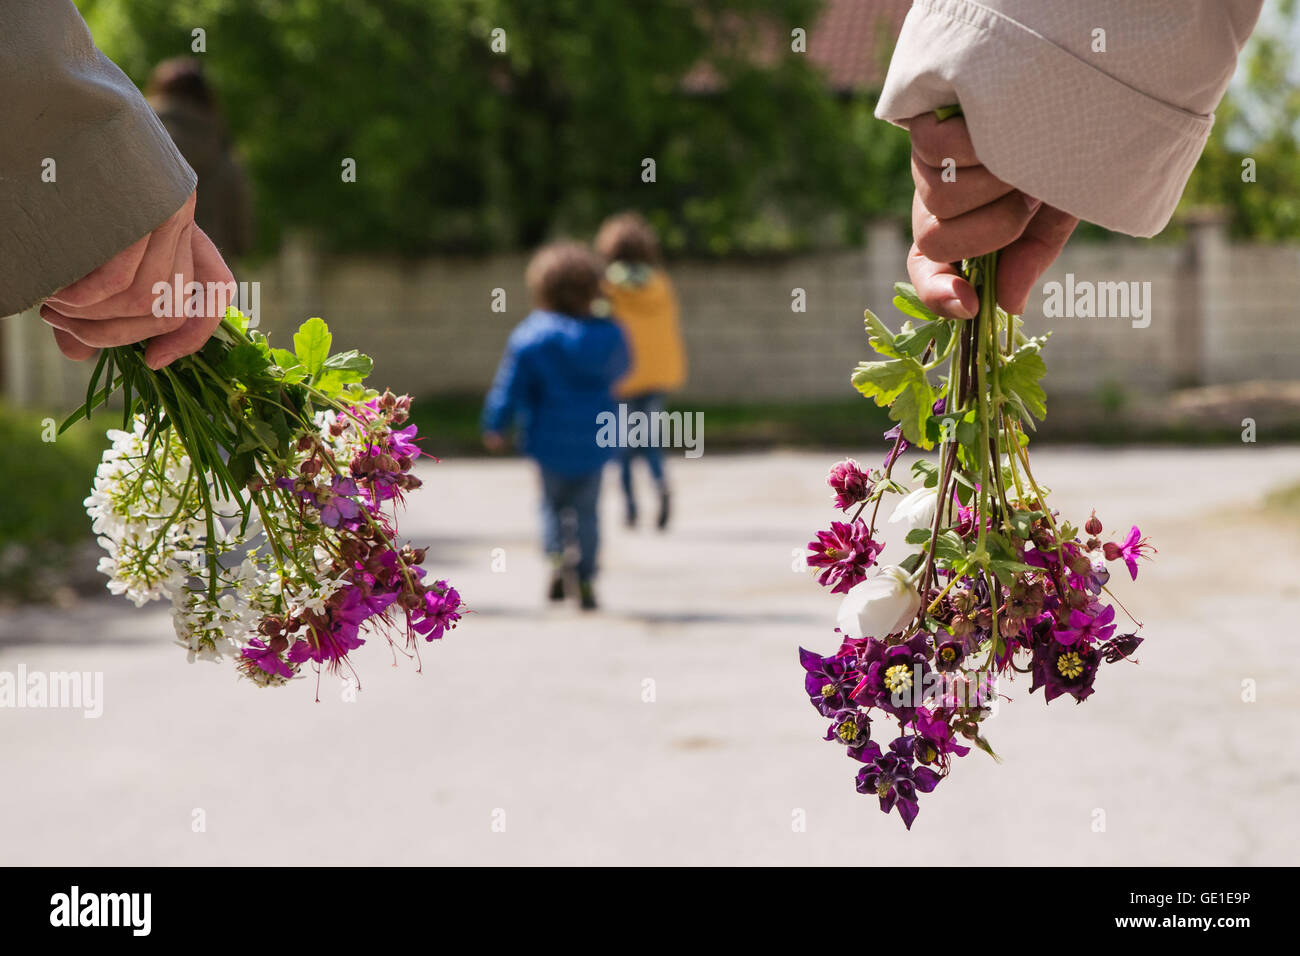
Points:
point(643, 302)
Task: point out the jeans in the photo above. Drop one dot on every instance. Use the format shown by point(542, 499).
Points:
point(569, 503)
point(649, 403)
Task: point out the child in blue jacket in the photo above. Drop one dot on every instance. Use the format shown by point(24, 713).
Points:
point(554, 381)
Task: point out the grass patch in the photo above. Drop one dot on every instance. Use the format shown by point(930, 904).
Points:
point(42, 522)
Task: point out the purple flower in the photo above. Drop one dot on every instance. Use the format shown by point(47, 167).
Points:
point(894, 777)
point(850, 483)
point(1130, 549)
point(1091, 626)
point(828, 680)
point(1059, 669)
point(937, 740)
point(441, 611)
point(853, 729)
point(895, 434)
point(335, 504)
point(894, 677)
point(845, 552)
point(261, 655)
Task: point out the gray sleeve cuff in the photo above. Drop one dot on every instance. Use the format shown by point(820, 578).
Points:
point(117, 174)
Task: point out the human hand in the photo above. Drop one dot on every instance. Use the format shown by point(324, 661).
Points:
point(494, 441)
point(974, 214)
point(114, 304)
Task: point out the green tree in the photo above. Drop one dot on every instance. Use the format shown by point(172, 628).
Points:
point(1256, 129)
point(463, 147)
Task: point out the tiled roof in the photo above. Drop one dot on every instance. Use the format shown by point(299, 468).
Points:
point(850, 42)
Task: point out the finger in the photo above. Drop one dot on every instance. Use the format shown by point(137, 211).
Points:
point(1022, 263)
point(71, 348)
point(138, 298)
point(941, 287)
point(109, 279)
point(964, 190)
point(207, 266)
point(106, 333)
point(992, 226)
point(934, 141)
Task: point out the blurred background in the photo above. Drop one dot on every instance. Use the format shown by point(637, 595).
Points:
point(770, 175)
point(480, 128)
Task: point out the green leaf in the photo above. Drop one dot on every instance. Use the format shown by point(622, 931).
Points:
point(883, 381)
point(879, 336)
point(246, 362)
point(333, 381)
point(909, 303)
point(351, 361)
point(912, 408)
point(312, 344)
point(1019, 379)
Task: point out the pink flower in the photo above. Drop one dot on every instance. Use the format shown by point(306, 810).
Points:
point(1133, 547)
point(850, 483)
point(845, 552)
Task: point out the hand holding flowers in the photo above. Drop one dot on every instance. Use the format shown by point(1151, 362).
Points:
point(255, 488)
point(997, 584)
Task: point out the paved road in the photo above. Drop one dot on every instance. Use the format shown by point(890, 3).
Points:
point(527, 738)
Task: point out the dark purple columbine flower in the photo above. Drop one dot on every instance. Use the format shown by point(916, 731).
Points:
point(853, 729)
point(1092, 626)
point(948, 656)
point(440, 612)
point(1059, 669)
point(936, 738)
point(829, 680)
point(894, 777)
point(845, 552)
point(894, 677)
point(850, 483)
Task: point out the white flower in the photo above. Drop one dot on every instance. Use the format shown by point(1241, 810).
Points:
point(917, 509)
point(880, 605)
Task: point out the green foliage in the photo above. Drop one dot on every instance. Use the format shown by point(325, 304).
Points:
point(42, 520)
point(1258, 120)
point(459, 148)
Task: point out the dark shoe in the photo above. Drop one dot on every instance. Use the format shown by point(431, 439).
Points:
point(556, 593)
point(587, 595)
point(663, 510)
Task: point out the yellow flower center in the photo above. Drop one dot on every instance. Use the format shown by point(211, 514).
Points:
point(898, 677)
point(833, 554)
point(847, 731)
point(1070, 665)
point(949, 654)
point(828, 690)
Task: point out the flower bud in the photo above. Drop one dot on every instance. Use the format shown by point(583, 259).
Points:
point(1092, 525)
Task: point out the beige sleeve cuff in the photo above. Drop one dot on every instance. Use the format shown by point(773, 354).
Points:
point(115, 174)
point(1044, 120)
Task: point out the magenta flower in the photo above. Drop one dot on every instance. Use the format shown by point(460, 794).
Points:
point(850, 483)
point(441, 611)
point(264, 657)
point(1091, 628)
point(1133, 547)
point(845, 552)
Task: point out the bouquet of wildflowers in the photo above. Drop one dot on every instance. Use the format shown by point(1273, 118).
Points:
point(255, 488)
point(996, 584)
